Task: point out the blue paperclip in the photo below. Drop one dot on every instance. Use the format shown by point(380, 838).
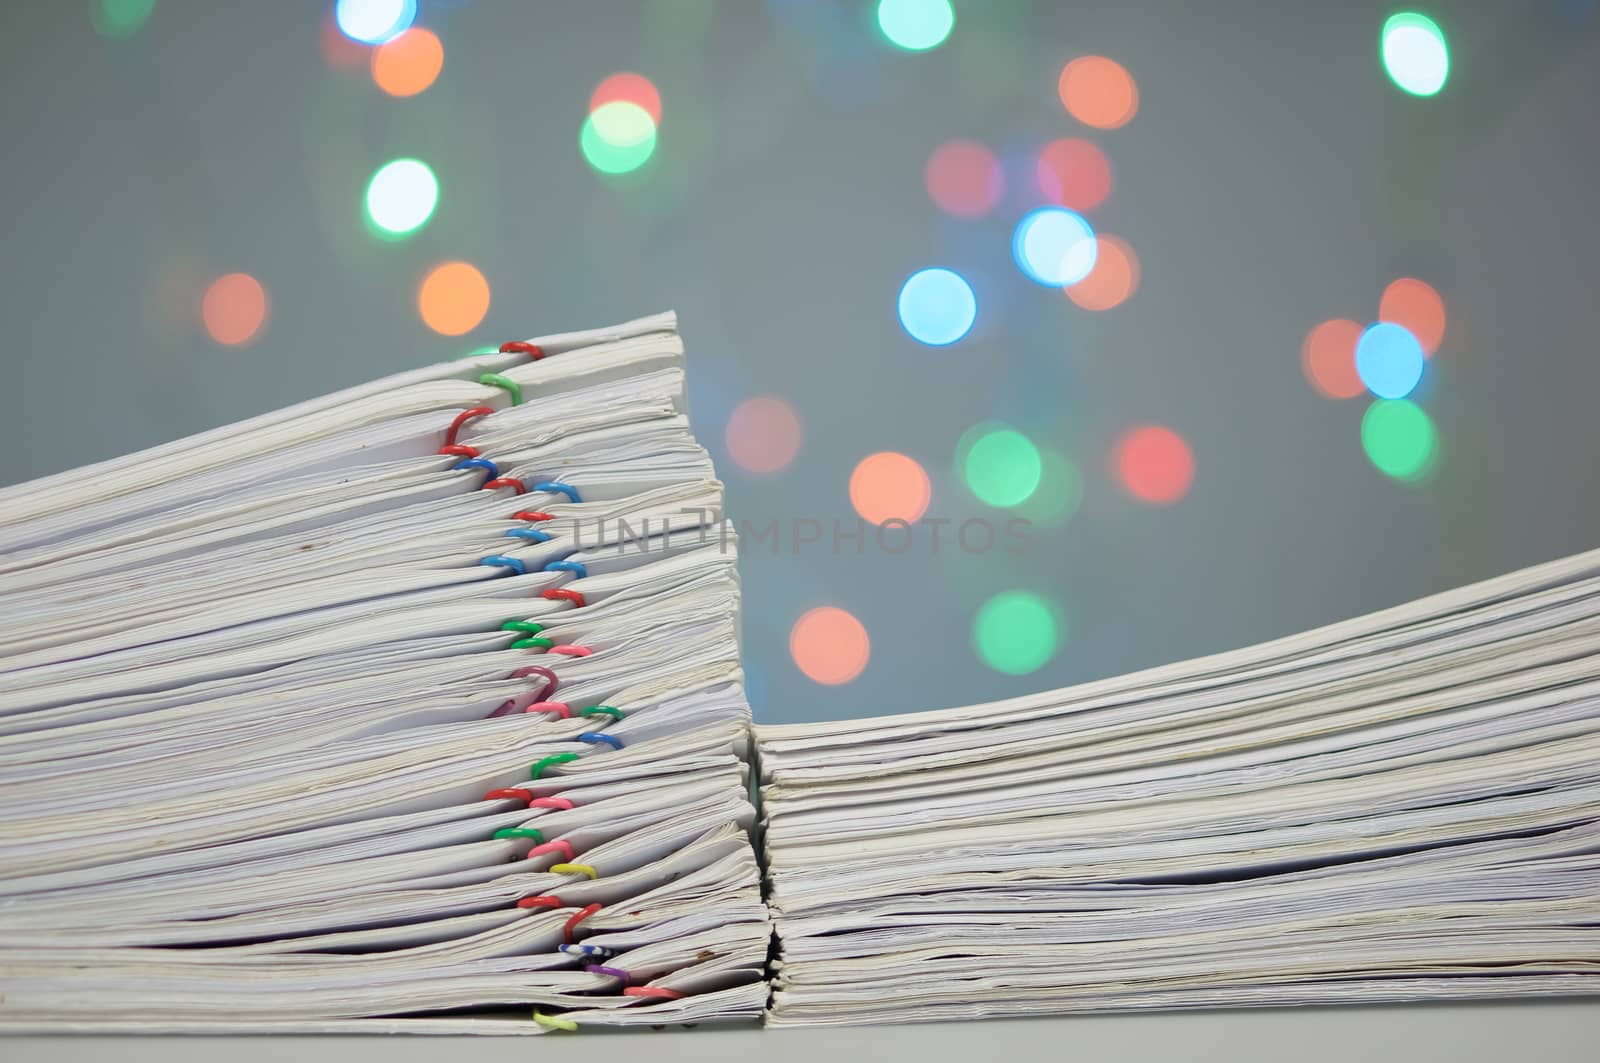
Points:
point(479, 463)
point(558, 488)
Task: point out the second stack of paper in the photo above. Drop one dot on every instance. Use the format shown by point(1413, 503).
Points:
point(1401, 806)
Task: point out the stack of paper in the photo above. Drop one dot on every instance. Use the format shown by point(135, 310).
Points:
point(410, 707)
point(418, 708)
point(1402, 806)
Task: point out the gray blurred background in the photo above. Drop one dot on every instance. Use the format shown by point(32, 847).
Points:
point(1272, 178)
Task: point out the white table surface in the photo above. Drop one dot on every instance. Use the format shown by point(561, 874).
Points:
point(1515, 1032)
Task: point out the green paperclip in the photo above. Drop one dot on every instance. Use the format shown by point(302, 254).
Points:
point(532, 628)
point(496, 380)
point(602, 710)
point(520, 832)
point(556, 758)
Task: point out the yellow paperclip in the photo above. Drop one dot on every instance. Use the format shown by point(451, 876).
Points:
point(574, 869)
point(551, 1022)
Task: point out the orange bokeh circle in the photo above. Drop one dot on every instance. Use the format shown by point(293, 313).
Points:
point(453, 298)
point(829, 645)
point(1098, 92)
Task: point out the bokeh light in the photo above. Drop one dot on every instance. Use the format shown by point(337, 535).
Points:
point(120, 18)
point(234, 309)
point(1016, 632)
point(628, 87)
point(916, 25)
point(1059, 494)
point(1153, 464)
point(618, 137)
point(829, 645)
point(958, 464)
point(1001, 466)
point(401, 196)
point(453, 298)
point(964, 178)
point(1054, 246)
point(1328, 357)
point(889, 486)
point(1389, 360)
point(1418, 307)
point(408, 64)
point(1415, 55)
point(1074, 173)
point(340, 51)
point(1398, 438)
point(763, 434)
point(937, 306)
point(1114, 278)
point(1098, 92)
point(374, 21)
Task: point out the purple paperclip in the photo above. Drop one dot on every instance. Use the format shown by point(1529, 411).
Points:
point(615, 972)
point(550, 685)
point(551, 682)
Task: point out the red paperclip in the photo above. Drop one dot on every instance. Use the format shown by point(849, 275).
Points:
point(532, 350)
point(562, 594)
point(462, 418)
point(540, 902)
point(530, 514)
point(460, 450)
point(657, 992)
point(527, 797)
point(506, 481)
point(560, 708)
point(572, 651)
point(578, 917)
